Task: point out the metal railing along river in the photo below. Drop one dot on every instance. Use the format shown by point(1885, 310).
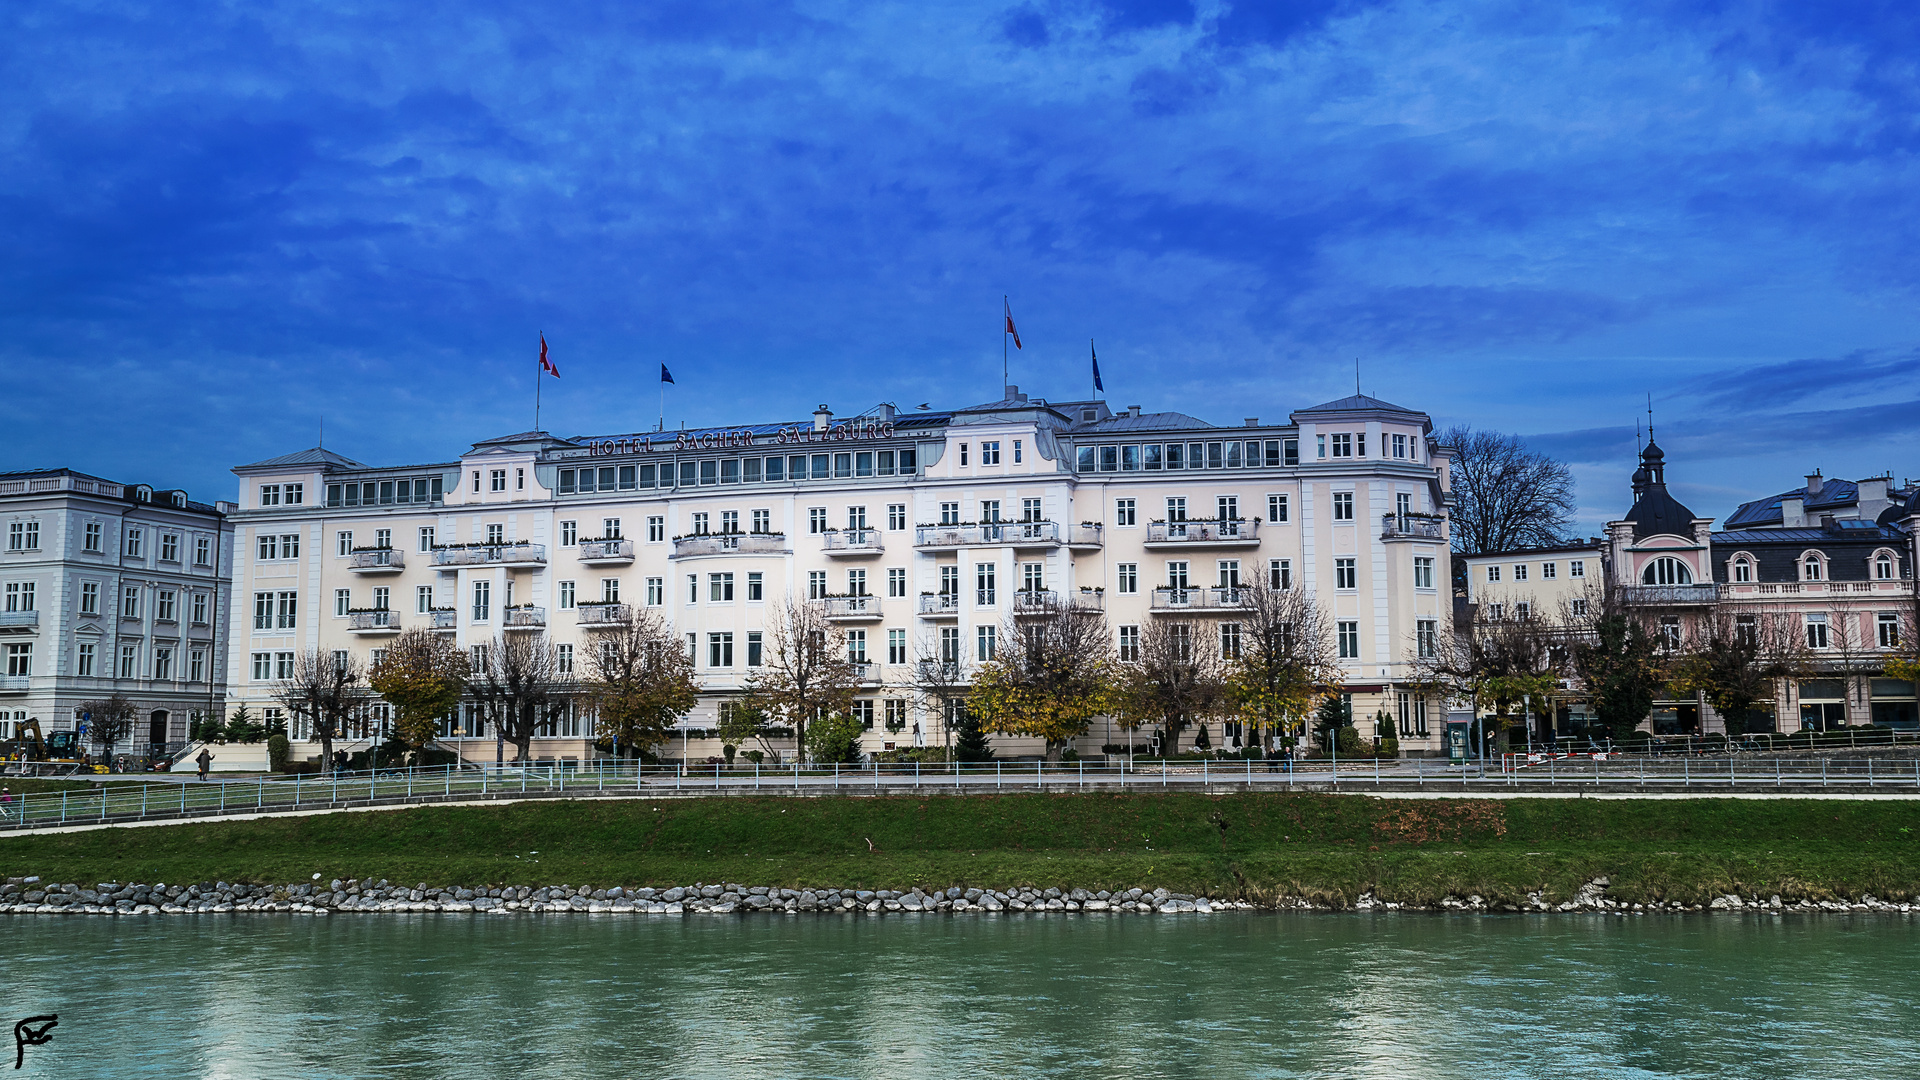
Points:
point(131, 801)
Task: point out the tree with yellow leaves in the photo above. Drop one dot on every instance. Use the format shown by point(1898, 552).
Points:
point(1051, 675)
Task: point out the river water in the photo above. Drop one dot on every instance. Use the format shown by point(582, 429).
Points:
point(1396, 996)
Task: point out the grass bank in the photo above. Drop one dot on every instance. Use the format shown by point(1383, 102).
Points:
point(1326, 848)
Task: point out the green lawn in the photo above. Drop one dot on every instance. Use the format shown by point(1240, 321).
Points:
point(1328, 847)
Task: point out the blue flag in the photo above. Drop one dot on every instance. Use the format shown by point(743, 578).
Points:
point(665, 375)
point(1096, 367)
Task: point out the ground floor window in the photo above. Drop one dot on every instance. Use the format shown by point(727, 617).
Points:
point(1676, 718)
point(1823, 704)
point(1894, 704)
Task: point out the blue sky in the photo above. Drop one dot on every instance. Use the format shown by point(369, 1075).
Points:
point(225, 221)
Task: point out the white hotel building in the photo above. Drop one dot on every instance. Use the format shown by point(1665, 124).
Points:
point(916, 531)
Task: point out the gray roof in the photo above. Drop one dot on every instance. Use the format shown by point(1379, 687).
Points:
point(315, 456)
point(1358, 403)
point(1155, 421)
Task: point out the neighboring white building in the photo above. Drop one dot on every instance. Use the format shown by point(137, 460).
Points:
point(110, 588)
point(1542, 582)
point(917, 530)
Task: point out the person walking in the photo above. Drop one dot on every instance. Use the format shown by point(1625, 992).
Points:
point(6, 802)
point(205, 761)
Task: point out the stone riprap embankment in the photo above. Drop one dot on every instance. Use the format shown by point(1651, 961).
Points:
point(31, 896)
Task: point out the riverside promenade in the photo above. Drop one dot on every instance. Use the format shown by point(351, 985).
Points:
point(135, 802)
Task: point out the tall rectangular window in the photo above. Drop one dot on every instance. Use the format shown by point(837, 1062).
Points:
point(656, 591)
point(129, 662)
point(1426, 638)
point(1230, 641)
point(985, 584)
point(566, 595)
point(754, 640)
point(1345, 574)
point(896, 581)
point(1277, 508)
point(1343, 506)
point(203, 551)
point(1279, 573)
point(163, 663)
point(342, 602)
point(656, 529)
point(896, 646)
point(1125, 512)
point(343, 542)
point(693, 588)
point(896, 516)
point(610, 590)
point(756, 585)
point(816, 584)
point(169, 547)
point(569, 533)
point(426, 538)
point(720, 588)
point(84, 658)
point(89, 598)
point(423, 598)
point(482, 601)
point(1347, 634)
point(1129, 577)
point(856, 646)
point(286, 610)
point(1887, 630)
point(986, 639)
point(130, 602)
point(720, 650)
point(135, 538)
point(816, 519)
point(1129, 644)
point(1177, 576)
point(1422, 572)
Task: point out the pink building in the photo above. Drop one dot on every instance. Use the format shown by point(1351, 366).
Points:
point(1834, 560)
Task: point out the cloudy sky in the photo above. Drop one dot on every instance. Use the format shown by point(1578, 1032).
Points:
point(224, 222)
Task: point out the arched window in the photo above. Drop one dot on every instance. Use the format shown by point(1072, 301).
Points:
point(1811, 568)
point(1742, 570)
point(1883, 567)
point(1667, 570)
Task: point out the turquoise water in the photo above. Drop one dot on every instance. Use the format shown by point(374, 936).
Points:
point(1397, 996)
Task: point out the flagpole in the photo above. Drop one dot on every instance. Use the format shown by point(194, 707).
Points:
point(1006, 320)
point(538, 370)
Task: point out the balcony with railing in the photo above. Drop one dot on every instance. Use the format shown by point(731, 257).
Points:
point(443, 619)
point(1030, 534)
point(373, 622)
point(939, 605)
point(1044, 601)
point(703, 544)
point(525, 617)
point(1669, 595)
point(850, 608)
point(508, 555)
point(1205, 534)
point(603, 615)
point(19, 622)
point(13, 684)
point(940, 672)
point(865, 671)
point(1173, 600)
point(852, 543)
point(377, 561)
point(606, 552)
point(1413, 527)
point(1085, 535)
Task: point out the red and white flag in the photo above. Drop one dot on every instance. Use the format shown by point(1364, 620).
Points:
point(1010, 329)
point(546, 365)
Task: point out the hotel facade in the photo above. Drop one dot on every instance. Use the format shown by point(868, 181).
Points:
point(920, 533)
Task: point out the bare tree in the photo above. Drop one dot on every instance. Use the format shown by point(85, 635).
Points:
point(109, 720)
point(1501, 663)
point(1505, 496)
point(1175, 681)
point(939, 682)
point(520, 687)
point(807, 672)
point(1050, 676)
point(1284, 660)
point(1852, 654)
point(422, 675)
point(325, 689)
point(640, 679)
point(1736, 660)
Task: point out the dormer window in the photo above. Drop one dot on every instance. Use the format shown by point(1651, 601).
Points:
point(1666, 570)
point(1088, 416)
point(1883, 567)
point(1812, 569)
point(1742, 570)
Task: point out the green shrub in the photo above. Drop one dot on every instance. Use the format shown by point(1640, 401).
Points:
point(1390, 746)
point(834, 740)
point(1349, 741)
point(277, 753)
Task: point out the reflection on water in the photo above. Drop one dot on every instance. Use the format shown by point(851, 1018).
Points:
point(1394, 996)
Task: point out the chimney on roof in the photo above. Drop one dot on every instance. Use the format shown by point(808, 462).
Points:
point(884, 412)
point(822, 416)
point(1014, 394)
point(1814, 483)
point(1133, 410)
point(1253, 421)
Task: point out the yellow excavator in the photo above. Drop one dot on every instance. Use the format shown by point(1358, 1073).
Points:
point(31, 752)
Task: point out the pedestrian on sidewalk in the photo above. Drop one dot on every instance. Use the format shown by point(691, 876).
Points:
point(205, 761)
point(6, 802)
